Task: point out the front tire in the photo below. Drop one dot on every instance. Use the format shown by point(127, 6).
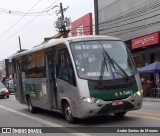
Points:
point(120, 114)
point(5, 97)
point(68, 113)
point(32, 109)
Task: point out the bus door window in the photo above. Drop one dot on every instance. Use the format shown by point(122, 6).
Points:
point(64, 67)
point(51, 66)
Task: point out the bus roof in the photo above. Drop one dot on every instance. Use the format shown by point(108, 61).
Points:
point(64, 40)
point(91, 37)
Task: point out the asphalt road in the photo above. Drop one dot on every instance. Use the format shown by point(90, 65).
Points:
point(13, 114)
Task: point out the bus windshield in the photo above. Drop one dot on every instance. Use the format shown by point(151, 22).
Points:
point(92, 63)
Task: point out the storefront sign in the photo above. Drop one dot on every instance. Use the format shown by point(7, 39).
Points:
point(145, 41)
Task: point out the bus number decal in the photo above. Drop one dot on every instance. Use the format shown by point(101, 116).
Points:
point(129, 92)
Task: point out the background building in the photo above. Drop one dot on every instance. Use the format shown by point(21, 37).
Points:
point(2, 69)
point(8, 68)
point(134, 21)
point(137, 22)
point(82, 26)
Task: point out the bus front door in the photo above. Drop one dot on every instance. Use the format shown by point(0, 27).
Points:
point(19, 94)
point(50, 79)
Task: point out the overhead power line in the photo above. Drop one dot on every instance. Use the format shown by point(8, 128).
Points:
point(21, 13)
point(27, 24)
point(19, 19)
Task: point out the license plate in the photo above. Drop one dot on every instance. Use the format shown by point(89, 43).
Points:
point(117, 102)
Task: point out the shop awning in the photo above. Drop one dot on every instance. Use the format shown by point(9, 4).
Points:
point(151, 68)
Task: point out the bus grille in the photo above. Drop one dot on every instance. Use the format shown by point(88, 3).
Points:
point(111, 87)
point(109, 108)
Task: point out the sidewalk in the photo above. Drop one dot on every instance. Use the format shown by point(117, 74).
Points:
point(151, 99)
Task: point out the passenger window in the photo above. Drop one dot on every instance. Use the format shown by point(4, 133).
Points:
point(65, 68)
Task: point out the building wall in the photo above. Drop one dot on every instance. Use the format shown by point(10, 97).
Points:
point(131, 20)
point(128, 19)
point(8, 67)
point(82, 26)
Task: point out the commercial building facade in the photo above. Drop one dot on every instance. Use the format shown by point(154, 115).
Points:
point(82, 26)
point(137, 22)
point(134, 21)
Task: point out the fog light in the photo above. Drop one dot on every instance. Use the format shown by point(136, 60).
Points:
point(139, 93)
point(90, 100)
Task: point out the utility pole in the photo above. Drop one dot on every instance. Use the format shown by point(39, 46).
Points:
point(62, 23)
point(61, 10)
point(63, 27)
point(19, 44)
point(96, 17)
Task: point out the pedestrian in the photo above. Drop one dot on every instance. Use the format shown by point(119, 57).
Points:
point(143, 80)
point(158, 90)
point(149, 88)
point(3, 80)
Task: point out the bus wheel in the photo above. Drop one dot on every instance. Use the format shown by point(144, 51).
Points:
point(68, 113)
point(120, 114)
point(31, 108)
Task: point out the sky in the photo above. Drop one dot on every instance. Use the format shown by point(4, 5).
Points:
point(32, 20)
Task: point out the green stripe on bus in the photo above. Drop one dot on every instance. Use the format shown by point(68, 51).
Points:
point(113, 94)
point(31, 89)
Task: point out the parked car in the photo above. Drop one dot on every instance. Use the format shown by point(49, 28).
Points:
point(10, 86)
point(4, 93)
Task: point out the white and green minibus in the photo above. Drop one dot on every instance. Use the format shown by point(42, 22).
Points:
point(79, 77)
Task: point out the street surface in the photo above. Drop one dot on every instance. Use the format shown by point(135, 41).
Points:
point(14, 114)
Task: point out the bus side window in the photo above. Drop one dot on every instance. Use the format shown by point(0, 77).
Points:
point(65, 68)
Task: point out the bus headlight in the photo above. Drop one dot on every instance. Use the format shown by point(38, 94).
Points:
point(90, 100)
point(139, 93)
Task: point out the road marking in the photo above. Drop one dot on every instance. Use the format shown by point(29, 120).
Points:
point(146, 104)
point(143, 117)
point(45, 122)
point(149, 113)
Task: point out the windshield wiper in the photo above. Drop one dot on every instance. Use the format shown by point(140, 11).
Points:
point(102, 69)
point(112, 62)
point(104, 63)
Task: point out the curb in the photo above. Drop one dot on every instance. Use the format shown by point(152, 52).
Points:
point(152, 100)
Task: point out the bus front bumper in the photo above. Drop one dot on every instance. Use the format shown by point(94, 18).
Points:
point(133, 102)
